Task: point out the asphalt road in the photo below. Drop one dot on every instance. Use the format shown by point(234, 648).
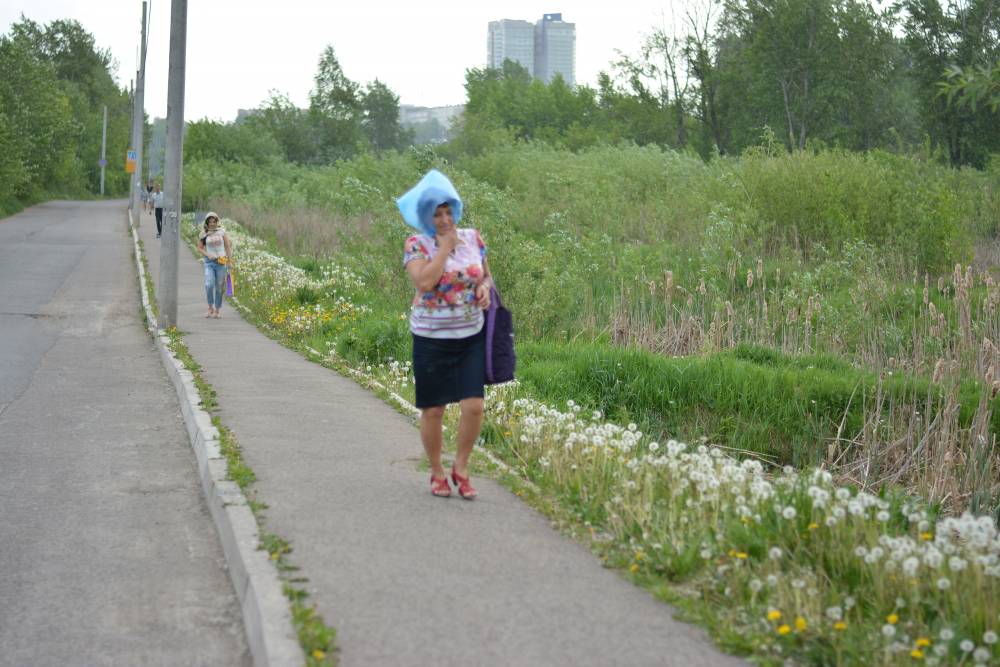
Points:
point(108, 555)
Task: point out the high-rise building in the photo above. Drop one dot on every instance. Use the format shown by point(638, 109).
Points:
point(511, 40)
point(555, 49)
point(544, 49)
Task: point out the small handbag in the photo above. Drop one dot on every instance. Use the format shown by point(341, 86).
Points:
point(500, 357)
point(229, 284)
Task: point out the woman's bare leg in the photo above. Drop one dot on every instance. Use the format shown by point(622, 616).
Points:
point(469, 427)
point(430, 435)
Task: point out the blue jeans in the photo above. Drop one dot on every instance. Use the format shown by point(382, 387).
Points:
point(215, 282)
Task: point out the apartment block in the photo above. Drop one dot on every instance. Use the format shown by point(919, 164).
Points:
point(545, 48)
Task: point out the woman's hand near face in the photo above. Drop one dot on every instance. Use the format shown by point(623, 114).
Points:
point(448, 241)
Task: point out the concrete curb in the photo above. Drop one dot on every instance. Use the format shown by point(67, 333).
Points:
point(267, 618)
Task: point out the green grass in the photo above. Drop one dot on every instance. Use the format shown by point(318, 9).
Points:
point(648, 521)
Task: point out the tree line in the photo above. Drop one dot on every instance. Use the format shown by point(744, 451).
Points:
point(343, 119)
point(918, 73)
point(54, 84)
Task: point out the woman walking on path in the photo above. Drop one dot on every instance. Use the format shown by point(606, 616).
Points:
point(215, 247)
point(158, 208)
point(448, 267)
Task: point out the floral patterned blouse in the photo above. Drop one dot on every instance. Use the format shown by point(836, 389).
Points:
point(449, 310)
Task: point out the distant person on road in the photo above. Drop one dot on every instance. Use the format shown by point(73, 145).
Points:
point(158, 208)
point(215, 247)
point(448, 267)
point(148, 198)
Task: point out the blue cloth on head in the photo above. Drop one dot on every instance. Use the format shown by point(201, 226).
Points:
point(418, 205)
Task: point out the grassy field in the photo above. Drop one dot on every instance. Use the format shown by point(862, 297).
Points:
point(830, 312)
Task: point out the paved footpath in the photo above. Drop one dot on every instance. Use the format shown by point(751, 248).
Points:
point(108, 555)
point(405, 578)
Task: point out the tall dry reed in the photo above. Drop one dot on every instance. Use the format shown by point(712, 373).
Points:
point(951, 334)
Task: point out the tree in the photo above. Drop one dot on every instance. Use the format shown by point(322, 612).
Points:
point(290, 126)
point(79, 79)
point(973, 85)
point(811, 69)
point(700, 52)
point(381, 118)
point(229, 142)
point(335, 110)
point(962, 35)
point(507, 101)
point(37, 122)
point(659, 81)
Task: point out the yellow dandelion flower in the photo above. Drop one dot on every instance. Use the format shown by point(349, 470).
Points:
point(275, 556)
point(916, 654)
point(639, 555)
point(923, 642)
point(927, 536)
point(732, 553)
point(742, 555)
point(840, 626)
point(892, 619)
point(813, 526)
point(633, 568)
point(784, 629)
point(773, 615)
point(319, 655)
point(800, 624)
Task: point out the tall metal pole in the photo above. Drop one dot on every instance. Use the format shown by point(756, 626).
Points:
point(104, 146)
point(172, 168)
point(139, 123)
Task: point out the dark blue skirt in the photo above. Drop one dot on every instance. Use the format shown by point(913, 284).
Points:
point(448, 370)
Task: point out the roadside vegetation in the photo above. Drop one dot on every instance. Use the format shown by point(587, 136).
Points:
point(758, 370)
point(836, 383)
point(54, 84)
point(755, 284)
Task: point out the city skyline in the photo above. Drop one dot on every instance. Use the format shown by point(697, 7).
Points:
point(544, 48)
point(239, 51)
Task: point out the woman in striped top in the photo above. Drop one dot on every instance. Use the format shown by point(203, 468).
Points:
point(452, 280)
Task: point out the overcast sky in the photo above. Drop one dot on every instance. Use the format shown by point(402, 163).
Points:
point(238, 51)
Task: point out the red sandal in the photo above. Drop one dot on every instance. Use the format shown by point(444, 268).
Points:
point(439, 487)
point(465, 488)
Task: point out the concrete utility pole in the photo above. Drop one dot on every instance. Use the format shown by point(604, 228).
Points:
point(104, 146)
point(138, 123)
point(173, 165)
